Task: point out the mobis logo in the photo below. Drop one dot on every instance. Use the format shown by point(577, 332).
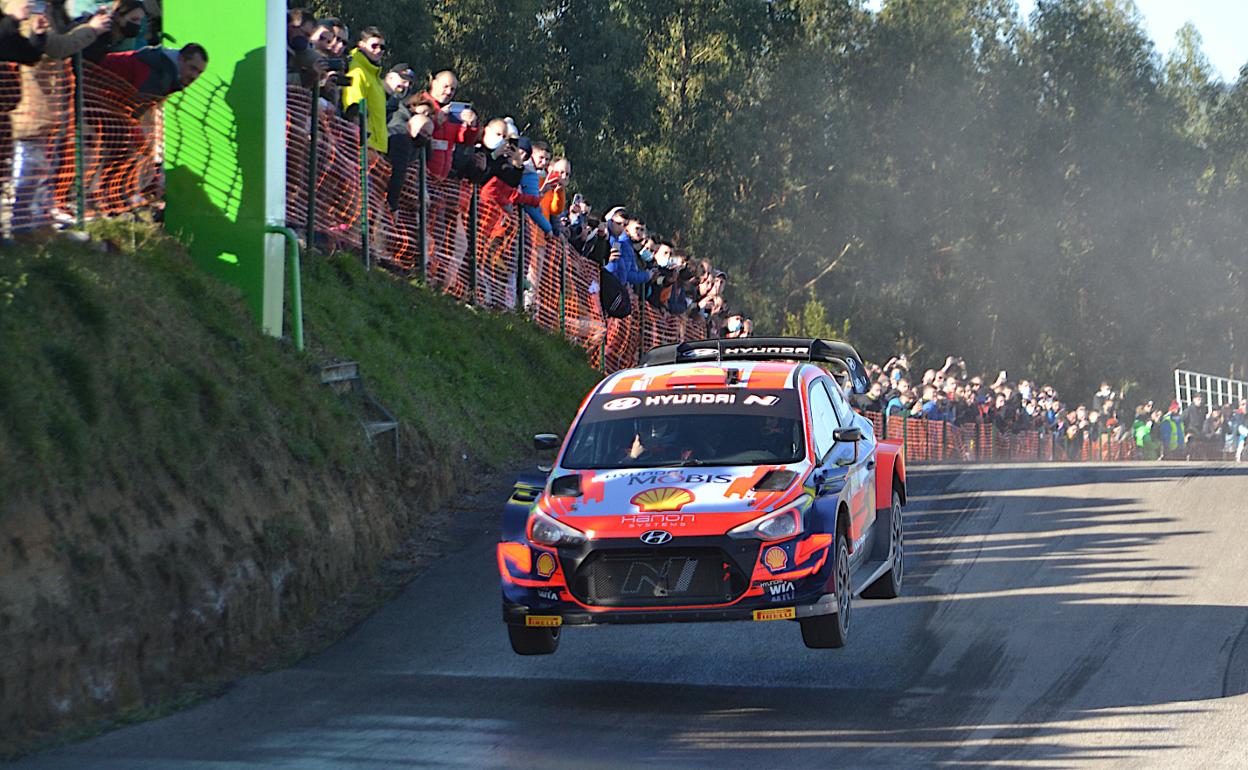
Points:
point(649, 478)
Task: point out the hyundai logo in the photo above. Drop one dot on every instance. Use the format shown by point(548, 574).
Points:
point(656, 537)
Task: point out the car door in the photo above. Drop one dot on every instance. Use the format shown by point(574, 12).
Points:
point(863, 470)
point(835, 467)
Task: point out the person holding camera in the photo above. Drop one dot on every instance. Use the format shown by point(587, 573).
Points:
point(126, 21)
point(410, 127)
point(40, 110)
point(455, 124)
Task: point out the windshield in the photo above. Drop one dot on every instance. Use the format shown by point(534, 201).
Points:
point(688, 428)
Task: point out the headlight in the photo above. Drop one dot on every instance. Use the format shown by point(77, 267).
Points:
point(775, 526)
point(546, 531)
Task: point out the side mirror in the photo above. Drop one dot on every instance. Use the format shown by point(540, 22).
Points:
point(545, 442)
point(848, 435)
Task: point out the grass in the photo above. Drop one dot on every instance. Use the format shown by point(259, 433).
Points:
point(116, 361)
point(136, 358)
point(470, 382)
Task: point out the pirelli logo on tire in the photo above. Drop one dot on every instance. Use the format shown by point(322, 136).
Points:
point(543, 621)
point(778, 613)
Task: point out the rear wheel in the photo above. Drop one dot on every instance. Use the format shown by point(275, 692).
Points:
point(888, 585)
point(533, 641)
point(823, 632)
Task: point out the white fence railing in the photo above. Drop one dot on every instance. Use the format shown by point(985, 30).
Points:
point(1216, 390)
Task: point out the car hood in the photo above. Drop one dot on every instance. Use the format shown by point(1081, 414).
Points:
point(683, 501)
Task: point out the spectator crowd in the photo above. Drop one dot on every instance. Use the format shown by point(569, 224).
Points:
point(955, 395)
point(404, 115)
point(37, 37)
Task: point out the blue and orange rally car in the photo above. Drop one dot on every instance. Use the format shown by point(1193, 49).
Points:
point(720, 480)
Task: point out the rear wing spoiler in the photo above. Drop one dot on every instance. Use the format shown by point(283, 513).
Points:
point(835, 352)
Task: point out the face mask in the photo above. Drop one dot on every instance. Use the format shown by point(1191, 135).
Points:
point(492, 141)
point(734, 325)
point(663, 260)
point(646, 256)
point(131, 29)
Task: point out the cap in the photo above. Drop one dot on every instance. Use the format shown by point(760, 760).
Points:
point(525, 144)
point(404, 70)
point(612, 212)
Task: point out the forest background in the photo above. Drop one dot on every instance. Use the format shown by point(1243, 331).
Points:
point(1048, 195)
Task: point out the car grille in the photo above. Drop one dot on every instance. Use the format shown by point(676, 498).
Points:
point(657, 577)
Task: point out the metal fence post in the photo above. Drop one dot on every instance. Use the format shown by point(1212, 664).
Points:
point(314, 141)
point(563, 279)
point(520, 232)
point(363, 118)
point(80, 165)
point(422, 222)
point(473, 212)
point(641, 323)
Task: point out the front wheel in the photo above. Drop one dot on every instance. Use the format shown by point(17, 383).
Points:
point(533, 641)
point(824, 632)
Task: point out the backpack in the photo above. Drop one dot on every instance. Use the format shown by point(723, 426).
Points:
point(617, 301)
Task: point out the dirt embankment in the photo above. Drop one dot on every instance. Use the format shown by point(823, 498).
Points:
point(120, 595)
point(180, 496)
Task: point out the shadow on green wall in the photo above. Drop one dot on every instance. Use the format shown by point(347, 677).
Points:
point(215, 174)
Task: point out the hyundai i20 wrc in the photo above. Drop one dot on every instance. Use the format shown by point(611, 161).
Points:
point(720, 480)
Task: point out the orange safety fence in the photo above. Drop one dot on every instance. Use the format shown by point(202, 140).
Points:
point(121, 142)
point(473, 249)
point(940, 441)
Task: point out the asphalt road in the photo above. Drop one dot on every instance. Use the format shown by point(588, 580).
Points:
point(1055, 616)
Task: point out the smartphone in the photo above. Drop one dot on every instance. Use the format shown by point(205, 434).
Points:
point(456, 109)
point(39, 7)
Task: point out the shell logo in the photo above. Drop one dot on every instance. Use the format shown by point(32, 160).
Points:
point(775, 558)
point(662, 499)
point(545, 565)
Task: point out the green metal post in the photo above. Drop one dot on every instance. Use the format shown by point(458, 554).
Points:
point(641, 322)
point(472, 242)
point(80, 165)
point(520, 260)
point(315, 141)
point(423, 221)
point(563, 279)
point(364, 223)
point(296, 283)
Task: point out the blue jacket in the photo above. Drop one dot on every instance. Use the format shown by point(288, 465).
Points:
point(1171, 432)
point(530, 184)
point(625, 268)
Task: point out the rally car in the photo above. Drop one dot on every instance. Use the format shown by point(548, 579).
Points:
point(719, 480)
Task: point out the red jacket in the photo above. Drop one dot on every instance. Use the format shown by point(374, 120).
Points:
point(500, 193)
point(150, 70)
point(442, 144)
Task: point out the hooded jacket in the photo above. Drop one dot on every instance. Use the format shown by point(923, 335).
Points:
point(366, 86)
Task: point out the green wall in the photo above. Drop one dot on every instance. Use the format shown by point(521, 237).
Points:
point(220, 162)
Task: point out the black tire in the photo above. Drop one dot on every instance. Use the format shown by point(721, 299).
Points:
point(829, 632)
point(888, 585)
point(533, 641)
